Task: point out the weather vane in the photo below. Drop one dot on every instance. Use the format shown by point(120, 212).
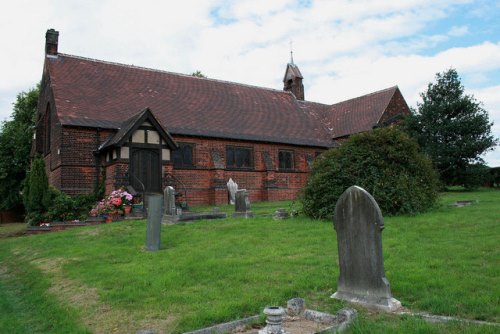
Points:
point(291, 52)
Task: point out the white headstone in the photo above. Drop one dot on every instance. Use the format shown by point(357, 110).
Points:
point(232, 188)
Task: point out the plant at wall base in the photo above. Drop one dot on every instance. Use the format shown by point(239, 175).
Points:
point(65, 208)
point(113, 204)
point(36, 195)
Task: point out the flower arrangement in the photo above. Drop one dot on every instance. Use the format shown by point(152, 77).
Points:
point(113, 204)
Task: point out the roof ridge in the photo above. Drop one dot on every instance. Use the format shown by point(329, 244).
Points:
point(171, 73)
point(366, 95)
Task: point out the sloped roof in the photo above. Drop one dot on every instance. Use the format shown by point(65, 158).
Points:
point(129, 125)
point(356, 115)
point(90, 92)
point(292, 71)
point(95, 93)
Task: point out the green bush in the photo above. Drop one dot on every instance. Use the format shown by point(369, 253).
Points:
point(475, 176)
point(36, 195)
point(385, 162)
point(495, 177)
point(64, 207)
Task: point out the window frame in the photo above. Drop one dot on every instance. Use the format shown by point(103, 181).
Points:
point(174, 158)
point(291, 160)
point(235, 149)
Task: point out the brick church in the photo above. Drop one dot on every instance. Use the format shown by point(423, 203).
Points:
point(102, 122)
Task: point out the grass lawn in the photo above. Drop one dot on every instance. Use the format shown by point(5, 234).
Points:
point(99, 279)
point(12, 230)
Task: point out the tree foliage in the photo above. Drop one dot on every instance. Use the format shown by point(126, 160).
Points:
point(15, 146)
point(385, 162)
point(36, 195)
point(452, 128)
point(198, 74)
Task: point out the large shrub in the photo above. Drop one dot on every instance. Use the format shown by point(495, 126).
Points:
point(64, 207)
point(385, 162)
point(36, 196)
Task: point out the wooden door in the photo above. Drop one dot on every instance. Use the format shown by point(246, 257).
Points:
point(145, 169)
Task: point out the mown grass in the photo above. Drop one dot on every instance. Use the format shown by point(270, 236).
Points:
point(100, 279)
point(12, 230)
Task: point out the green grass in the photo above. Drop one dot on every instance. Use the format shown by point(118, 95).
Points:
point(100, 279)
point(12, 230)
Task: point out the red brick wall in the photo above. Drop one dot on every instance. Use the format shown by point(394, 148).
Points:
point(76, 171)
point(397, 106)
point(204, 183)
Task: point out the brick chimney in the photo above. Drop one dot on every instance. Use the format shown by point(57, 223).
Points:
point(51, 40)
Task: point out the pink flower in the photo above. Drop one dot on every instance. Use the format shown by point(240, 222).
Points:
point(116, 201)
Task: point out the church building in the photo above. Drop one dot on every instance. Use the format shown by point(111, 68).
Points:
point(121, 125)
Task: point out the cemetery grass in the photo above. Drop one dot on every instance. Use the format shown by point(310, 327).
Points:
point(12, 229)
point(99, 278)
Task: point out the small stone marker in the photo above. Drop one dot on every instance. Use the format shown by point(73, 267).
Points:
point(281, 214)
point(359, 224)
point(169, 197)
point(242, 205)
point(153, 228)
point(232, 188)
point(295, 307)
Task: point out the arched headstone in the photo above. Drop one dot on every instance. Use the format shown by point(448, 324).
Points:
point(359, 224)
point(232, 188)
point(242, 204)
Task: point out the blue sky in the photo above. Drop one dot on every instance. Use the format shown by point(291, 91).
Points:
point(343, 48)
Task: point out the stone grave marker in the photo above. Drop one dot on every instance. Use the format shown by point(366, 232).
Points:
point(281, 214)
point(153, 229)
point(359, 223)
point(169, 198)
point(242, 204)
point(232, 188)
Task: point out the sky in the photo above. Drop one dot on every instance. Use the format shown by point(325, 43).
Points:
point(344, 49)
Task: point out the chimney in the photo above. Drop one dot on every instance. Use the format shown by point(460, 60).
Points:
point(51, 40)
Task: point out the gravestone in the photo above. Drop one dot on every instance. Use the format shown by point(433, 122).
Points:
point(232, 188)
point(242, 204)
point(169, 198)
point(281, 214)
point(153, 228)
point(359, 224)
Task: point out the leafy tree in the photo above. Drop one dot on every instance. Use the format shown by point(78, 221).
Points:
point(15, 146)
point(198, 74)
point(386, 162)
point(452, 128)
point(36, 195)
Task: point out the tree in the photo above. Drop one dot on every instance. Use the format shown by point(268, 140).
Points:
point(386, 162)
point(198, 74)
point(451, 127)
point(15, 145)
point(36, 195)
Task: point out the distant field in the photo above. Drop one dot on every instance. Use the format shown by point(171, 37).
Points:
point(99, 279)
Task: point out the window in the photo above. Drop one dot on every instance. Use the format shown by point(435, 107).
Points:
point(285, 160)
point(183, 157)
point(239, 157)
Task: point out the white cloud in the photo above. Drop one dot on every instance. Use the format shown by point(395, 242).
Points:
point(456, 31)
point(344, 48)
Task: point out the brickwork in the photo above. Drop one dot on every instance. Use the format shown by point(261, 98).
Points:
point(73, 167)
point(203, 183)
point(396, 107)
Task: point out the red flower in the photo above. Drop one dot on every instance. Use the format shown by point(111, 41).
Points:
point(116, 201)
